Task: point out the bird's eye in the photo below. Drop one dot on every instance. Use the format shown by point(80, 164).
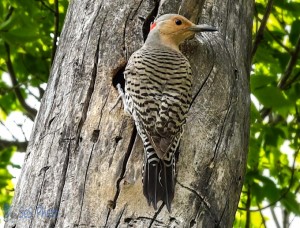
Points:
point(178, 22)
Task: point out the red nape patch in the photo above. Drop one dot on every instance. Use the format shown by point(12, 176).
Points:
point(152, 26)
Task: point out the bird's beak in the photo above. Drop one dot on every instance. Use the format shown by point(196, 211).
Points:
point(202, 28)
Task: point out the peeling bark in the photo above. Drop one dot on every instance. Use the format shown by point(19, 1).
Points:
point(84, 160)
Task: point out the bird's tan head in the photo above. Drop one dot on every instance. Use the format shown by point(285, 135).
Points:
point(173, 29)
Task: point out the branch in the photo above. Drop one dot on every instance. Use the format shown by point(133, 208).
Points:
point(21, 128)
point(285, 222)
point(260, 33)
point(41, 91)
point(10, 11)
point(12, 88)
point(290, 66)
point(294, 79)
point(262, 216)
point(274, 217)
point(56, 27)
point(284, 83)
point(46, 6)
point(279, 42)
point(21, 146)
point(6, 128)
point(30, 112)
point(35, 96)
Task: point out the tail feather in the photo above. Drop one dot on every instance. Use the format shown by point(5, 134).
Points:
point(158, 180)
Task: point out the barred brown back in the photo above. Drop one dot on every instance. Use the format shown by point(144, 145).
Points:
point(158, 96)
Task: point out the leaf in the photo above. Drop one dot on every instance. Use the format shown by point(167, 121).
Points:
point(10, 23)
point(272, 135)
point(271, 97)
point(20, 35)
point(5, 155)
point(290, 203)
point(269, 189)
point(258, 192)
point(289, 6)
point(258, 81)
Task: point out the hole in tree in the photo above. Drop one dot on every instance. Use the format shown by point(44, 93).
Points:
point(95, 135)
point(119, 77)
point(117, 139)
point(127, 220)
point(172, 219)
point(192, 223)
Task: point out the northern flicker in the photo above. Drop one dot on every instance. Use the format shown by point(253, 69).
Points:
point(158, 81)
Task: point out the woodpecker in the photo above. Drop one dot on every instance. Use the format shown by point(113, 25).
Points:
point(158, 82)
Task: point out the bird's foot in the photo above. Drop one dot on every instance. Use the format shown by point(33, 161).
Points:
point(120, 97)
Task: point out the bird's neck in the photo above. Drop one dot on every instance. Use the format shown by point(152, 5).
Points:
point(155, 39)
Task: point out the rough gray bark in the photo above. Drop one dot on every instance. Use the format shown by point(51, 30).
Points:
point(84, 161)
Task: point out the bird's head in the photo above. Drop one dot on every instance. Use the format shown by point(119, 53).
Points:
point(173, 29)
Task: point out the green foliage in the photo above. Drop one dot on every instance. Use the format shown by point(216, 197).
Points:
point(27, 29)
point(273, 159)
point(6, 186)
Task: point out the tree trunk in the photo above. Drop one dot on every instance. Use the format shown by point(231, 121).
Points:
point(84, 160)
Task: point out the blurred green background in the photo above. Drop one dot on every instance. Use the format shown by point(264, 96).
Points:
point(29, 34)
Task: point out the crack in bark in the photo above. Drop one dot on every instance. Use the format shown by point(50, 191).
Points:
point(61, 185)
point(141, 218)
point(55, 86)
point(156, 214)
point(50, 133)
point(202, 199)
point(42, 185)
point(124, 34)
point(148, 218)
point(119, 219)
point(80, 125)
point(90, 157)
point(64, 165)
point(223, 212)
point(108, 214)
point(231, 102)
point(92, 83)
point(208, 75)
point(84, 182)
point(89, 97)
point(137, 9)
point(121, 176)
point(117, 139)
point(232, 92)
point(124, 165)
point(220, 137)
point(152, 15)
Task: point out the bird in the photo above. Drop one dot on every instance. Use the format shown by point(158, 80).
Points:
point(158, 94)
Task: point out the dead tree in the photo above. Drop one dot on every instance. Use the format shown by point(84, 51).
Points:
point(84, 160)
